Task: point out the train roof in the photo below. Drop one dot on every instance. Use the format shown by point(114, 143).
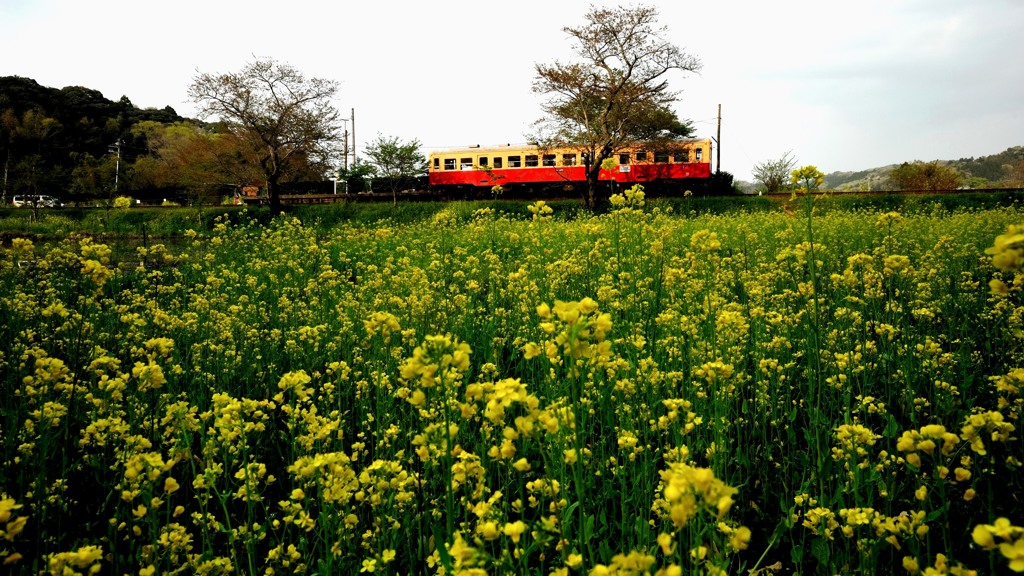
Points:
point(478, 147)
point(517, 146)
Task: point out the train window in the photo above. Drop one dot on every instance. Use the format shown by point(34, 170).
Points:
point(449, 163)
point(483, 161)
point(531, 160)
point(568, 159)
point(682, 156)
point(466, 164)
point(514, 161)
point(549, 160)
point(437, 163)
point(624, 158)
point(698, 154)
point(641, 156)
point(497, 161)
point(661, 157)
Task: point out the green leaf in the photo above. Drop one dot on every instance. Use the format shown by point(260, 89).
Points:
point(937, 513)
point(588, 527)
point(442, 550)
point(821, 551)
point(892, 428)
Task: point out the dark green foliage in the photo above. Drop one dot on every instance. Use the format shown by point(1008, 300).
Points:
point(922, 203)
point(157, 221)
point(48, 133)
point(715, 204)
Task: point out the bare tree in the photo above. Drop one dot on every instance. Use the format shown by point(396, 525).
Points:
point(286, 120)
point(774, 174)
point(617, 94)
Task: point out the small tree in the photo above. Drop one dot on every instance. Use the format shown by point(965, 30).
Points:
point(286, 120)
point(774, 174)
point(395, 162)
point(358, 177)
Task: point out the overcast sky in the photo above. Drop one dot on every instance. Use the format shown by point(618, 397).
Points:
point(843, 85)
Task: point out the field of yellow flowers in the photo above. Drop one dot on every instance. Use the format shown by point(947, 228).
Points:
point(630, 393)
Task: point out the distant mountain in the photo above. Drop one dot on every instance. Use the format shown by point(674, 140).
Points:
point(980, 172)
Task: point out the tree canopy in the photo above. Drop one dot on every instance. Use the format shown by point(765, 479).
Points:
point(774, 175)
point(616, 95)
point(395, 162)
point(925, 176)
point(285, 122)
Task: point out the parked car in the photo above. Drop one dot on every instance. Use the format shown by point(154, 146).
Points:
point(38, 200)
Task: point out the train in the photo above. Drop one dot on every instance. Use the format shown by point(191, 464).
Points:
point(531, 168)
point(528, 171)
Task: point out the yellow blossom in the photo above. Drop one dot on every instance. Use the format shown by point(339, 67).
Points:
point(170, 485)
point(1014, 553)
point(514, 530)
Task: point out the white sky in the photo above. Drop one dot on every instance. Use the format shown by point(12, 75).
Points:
point(843, 85)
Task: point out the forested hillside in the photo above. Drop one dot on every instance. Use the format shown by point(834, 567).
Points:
point(1004, 169)
point(65, 141)
point(76, 145)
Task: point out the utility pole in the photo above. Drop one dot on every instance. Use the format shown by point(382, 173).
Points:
point(7, 163)
point(344, 151)
point(117, 167)
point(354, 159)
point(718, 140)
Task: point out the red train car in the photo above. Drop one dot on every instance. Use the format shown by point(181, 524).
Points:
point(532, 167)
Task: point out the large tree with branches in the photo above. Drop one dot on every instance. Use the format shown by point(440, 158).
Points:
point(617, 94)
point(286, 121)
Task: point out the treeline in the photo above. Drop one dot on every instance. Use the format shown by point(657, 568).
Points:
point(75, 144)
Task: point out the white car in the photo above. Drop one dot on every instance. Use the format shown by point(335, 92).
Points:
point(38, 200)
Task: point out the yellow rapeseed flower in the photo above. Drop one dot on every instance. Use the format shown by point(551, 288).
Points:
point(514, 530)
point(1014, 553)
point(1008, 250)
point(666, 542)
point(170, 485)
